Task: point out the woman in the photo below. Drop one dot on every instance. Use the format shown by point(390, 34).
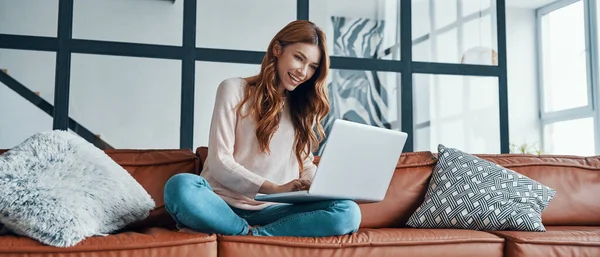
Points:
point(261, 141)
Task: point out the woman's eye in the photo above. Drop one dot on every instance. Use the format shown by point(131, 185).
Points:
point(314, 67)
point(298, 57)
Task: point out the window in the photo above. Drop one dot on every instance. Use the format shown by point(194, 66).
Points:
point(564, 58)
point(568, 115)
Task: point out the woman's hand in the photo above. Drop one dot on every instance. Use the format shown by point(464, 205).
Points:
point(294, 185)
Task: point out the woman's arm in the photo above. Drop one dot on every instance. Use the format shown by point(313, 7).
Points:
point(309, 168)
point(228, 171)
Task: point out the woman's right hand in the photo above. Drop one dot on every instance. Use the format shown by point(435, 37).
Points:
point(294, 185)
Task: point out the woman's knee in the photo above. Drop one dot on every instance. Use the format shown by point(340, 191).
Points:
point(347, 217)
point(185, 179)
point(183, 183)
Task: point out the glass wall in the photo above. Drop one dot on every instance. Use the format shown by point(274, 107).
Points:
point(455, 31)
point(457, 111)
point(357, 28)
point(127, 102)
point(19, 119)
point(209, 76)
point(135, 97)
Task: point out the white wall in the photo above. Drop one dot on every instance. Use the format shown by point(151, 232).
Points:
point(137, 21)
point(144, 94)
point(129, 102)
point(29, 17)
point(522, 78)
point(19, 118)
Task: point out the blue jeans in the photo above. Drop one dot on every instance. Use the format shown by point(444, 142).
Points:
point(191, 202)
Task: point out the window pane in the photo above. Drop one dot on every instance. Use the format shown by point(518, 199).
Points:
point(443, 32)
point(29, 17)
point(573, 137)
point(445, 12)
point(241, 24)
point(358, 28)
point(422, 138)
point(456, 111)
point(150, 22)
point(564, 58)
point(208, 77)
point(470, 7)
point(21, 64)
point(19, 118)
point(129, 102)
point(365, 97)
point(17, 126)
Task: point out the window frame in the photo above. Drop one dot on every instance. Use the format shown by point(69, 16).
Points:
point(591, 45)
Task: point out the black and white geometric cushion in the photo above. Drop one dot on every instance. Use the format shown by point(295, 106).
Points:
point(468, 192)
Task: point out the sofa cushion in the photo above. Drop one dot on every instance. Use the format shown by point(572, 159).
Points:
point(58, 188)
point(556, 241)
point(471, 193)
point(149, 242)
point(369, 242)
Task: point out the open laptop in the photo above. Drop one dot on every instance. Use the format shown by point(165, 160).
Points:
point(358, 163)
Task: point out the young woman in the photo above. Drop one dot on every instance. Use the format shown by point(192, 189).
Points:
point(261, 141)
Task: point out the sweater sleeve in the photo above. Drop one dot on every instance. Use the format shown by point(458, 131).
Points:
point(309, 168)
point(228, 171)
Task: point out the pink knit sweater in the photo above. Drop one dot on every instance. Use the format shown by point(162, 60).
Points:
point(235, 167)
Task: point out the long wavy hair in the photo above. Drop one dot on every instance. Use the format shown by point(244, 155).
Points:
point(309, 102)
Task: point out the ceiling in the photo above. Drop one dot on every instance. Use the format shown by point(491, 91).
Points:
point(529, 4)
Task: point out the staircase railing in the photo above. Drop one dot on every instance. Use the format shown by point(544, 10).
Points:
point(48, 108)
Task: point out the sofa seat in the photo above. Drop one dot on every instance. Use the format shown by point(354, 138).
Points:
point(152, 242)
point(369, 242)
point(556, 241)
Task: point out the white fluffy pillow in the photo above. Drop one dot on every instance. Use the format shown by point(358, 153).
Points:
point(58, 188)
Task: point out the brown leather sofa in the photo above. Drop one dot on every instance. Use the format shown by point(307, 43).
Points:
point(572, 219)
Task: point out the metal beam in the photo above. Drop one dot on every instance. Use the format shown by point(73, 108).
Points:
point(33, 43)
point(352, 63)
point(188, 75)
point(63, 65)
point(84, 46)
point(406, 88)
point(455, 69)
point(302, 9)
point(502, 77)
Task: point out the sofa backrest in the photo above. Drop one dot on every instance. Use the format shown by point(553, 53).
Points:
point(152, 169)
point(576, 180)
point(405, 193)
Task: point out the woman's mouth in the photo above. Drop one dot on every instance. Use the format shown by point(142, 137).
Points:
point(295, 79)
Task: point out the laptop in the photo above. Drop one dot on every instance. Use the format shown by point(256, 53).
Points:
point(357, 163)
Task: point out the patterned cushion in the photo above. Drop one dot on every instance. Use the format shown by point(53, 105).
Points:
point(467, 192)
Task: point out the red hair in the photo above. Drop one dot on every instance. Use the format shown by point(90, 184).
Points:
point(309, 102)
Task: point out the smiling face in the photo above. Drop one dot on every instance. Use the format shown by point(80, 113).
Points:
point(296, 63)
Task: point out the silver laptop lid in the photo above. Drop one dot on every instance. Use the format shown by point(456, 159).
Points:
point(358, 161)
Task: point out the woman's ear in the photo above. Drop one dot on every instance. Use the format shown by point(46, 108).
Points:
point(277, 49)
